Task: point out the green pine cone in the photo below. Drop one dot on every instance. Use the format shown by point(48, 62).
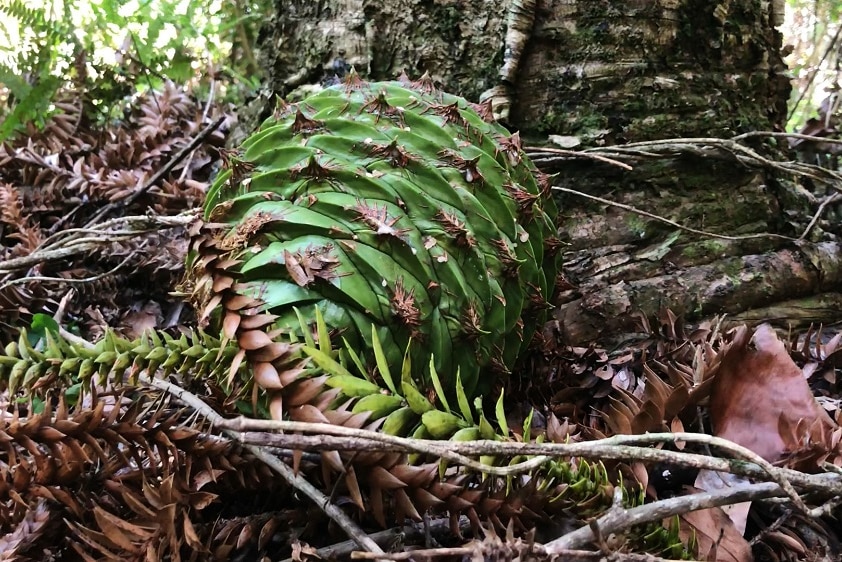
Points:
point(392, 205)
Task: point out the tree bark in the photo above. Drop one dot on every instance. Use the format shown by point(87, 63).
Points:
point(600, 73)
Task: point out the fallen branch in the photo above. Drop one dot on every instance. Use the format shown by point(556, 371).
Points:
point(618, 519)
point(74, 242)
point(618, 447)
point(295, 480)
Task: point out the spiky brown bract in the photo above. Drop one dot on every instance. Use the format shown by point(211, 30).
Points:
point(390, 205)
point(112, 468)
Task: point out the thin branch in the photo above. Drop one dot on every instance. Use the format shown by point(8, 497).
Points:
point(73, 246)
point(297, 481)
point(536, 553)
point(819, 212)
point(619, 519)
point(394, 538)
point(798, 136)
point(540, 151)
point(709, 148)
point(618, 447)
point(70, 281)
point(671, 222)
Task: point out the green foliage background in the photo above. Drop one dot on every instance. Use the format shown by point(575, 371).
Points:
point(812, 34)
point(109, 49)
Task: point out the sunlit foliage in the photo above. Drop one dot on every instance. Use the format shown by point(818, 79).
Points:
point(110, 49)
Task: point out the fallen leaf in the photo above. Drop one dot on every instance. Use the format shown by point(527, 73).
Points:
point(759, 391)
point(716, 537)
point(711, 481)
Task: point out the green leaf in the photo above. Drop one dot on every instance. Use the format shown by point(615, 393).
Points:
point(527, 426)
point(501, 415)
point(321, 327)
point(417, 401)
point(305, 328)
point(380, 358)
point(41, 324)
point(352, 386)
point(327, 363)
point(462, 398)
point(355, 359)
point(437, 385)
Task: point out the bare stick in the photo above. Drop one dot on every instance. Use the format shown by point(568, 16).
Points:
point(538, 151)
point(297, 481)
point(100, 236)
point(786, 136)
point(819, 212)
point(671, 222)
point(615, 448)
point(618, 519)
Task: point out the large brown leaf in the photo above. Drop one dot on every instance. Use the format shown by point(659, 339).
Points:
point(760, 391)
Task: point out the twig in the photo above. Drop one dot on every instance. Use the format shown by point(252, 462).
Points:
point(63, 249)
point(570, 555)
point(819, 212)
point(618, 447)
point(70, 281)
point(707, 148)
point(331, 509)
point(149, 222)
point(164, 170)
point(539, 151)
point(396, 538)
point(771, 528)
point(295, 480)
point(619, 519)
point(671, 222)
point(785, 135)
point(702, 146)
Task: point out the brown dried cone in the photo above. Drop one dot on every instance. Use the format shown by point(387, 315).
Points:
point(129, 479)
point(65, 173)
point(212, 279)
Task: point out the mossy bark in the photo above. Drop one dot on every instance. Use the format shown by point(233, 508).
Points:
point(626, 71)
point(601, 72)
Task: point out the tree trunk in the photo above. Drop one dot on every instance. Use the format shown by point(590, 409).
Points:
point(597, 73)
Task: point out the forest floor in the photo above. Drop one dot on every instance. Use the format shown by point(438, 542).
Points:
point(95, 225)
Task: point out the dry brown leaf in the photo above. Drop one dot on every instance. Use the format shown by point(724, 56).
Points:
point(711, 481)
point(303, 552)
point(756, 389)
point(716, 537)
point(192, 538)
point(115, 530)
